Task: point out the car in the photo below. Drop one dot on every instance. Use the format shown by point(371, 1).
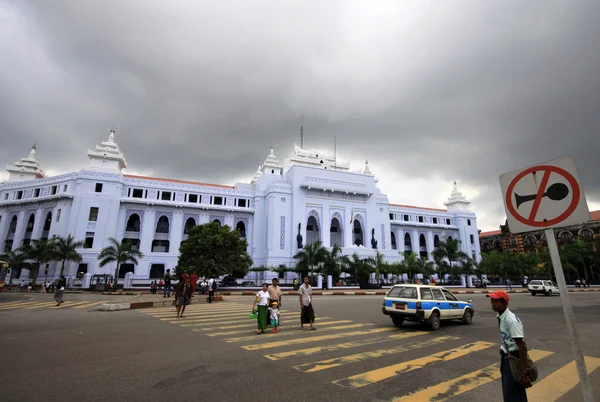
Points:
point(425, 303)
point(548, 288)
point(228, 282)
point(248, 284)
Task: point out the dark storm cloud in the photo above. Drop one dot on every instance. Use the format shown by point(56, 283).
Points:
point(424, 90)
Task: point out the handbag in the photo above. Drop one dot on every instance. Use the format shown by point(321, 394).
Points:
point(515, 366)
point(253, 315)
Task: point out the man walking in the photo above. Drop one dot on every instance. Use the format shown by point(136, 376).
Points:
point(60, 290)
point(167, 288)
point(212, 286)
point(307, 315)
point(183, 293)
point(274, 296)
point(513, 342)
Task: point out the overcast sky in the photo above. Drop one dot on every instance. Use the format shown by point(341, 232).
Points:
point(426, 91)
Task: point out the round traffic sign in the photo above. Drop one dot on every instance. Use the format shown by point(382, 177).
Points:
point(556, 191)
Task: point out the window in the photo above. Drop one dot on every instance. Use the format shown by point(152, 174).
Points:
point(98, 187)
point(0, 218)
point(6, 196)
point(193, 198)
point(82, 269)
point(157, 271)
point(53, 190)
point(405, 218)
point(138, 193)
point(160, 246)
point(162, 226)
point(242, 203)
point(449, 296)
point(19, 195)
point(48, 222)
point(58, 215)
point(93, 214)
point(30, 224)
point(89, 240)
point(420, 219)
point(409, 293)
point(469, 222)
point(8, 246)
point(395, 292)
point(391, 217)
point(437, 294)
point(447, 221)
point(165, 195)
point(435, 220)
point(133, 223)
point(426, 294)
point(218, 200)
point(135, 243)
point(65, 187)
point(36, 192)
point(472, 239)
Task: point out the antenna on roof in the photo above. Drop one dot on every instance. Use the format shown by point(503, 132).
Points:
point(334, 152)
point(302, 134)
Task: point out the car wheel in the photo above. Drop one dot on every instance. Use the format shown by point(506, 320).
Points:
point(398, 321)
point(549, 292)
point(467, 317)
point(533, 293)
point(434, 321)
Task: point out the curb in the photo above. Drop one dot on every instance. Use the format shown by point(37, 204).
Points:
point(383, 293)
point(141, 305)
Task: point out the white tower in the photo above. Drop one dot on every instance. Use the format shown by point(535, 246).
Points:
point(272, 164)
point(27, 169)
point(457, 202)
point(107, 156)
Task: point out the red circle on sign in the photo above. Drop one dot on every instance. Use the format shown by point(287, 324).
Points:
point(549, 169)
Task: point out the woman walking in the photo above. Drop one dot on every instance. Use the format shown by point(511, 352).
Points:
point(183, 294)
point(260, 304)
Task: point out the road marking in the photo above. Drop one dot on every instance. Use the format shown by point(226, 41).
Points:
point(297, 341)
point(460, 385)
point(40, 305)
point(252, 323)
point(346, 345)
point(220, 317)
point(69, 304)
point(561, 381)
point(211, 315)
point(373, 376)
point(373, 354)
point(199, 311)
point(16, 305)
point(92, 304)
point(285, 331)
point(298, 331)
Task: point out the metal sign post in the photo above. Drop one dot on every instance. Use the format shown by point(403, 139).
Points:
point(586, 386)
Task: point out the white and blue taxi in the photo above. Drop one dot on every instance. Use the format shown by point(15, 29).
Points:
point(424, 303)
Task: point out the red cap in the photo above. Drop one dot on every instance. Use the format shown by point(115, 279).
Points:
point(499, 294)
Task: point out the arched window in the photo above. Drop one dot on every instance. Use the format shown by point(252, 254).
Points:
point(133, 223)
point(586, 234)
point(13, 225)
point(358, 233)
point(48, 222)
point(157, 271)
point(422, 242)
point(163, 225)
point(393, 236)
point(335, 233)
point(407, 242)
point(498, 245)
point(312, 230)
point(565, 237)
point(449, 238)
point(30, 224)
point(217, 221)
point(529, 241)
point(436, 240)
point(241, 227)
point(190, 223)
point(124, 268)
point(487, 246)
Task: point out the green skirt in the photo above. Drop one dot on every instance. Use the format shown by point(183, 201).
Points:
point(262, 318)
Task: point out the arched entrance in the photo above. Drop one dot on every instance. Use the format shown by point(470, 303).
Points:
point(394, 245)
point(133, 223)
point(335, 233)
point(241, 228)
point(189, 223)
point(358, 233)
point(407, 243)
point(312, 230)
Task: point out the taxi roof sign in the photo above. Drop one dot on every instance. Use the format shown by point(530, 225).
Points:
point(546, 195)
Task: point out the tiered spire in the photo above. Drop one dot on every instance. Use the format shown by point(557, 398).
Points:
point(27, 169)
point(272, 164)
point(457, 201)
point(107, 155)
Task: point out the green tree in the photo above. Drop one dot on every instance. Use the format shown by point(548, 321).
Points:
point(66, 250)
point(41, 251)
point(449, 250)
point(282, 269)
point(493, 263)
point(120, 253)
point(310, 257)
point(361, 268)
point(424, 267)
point(410, 264)
point(379, 263)
point(16, 262)
point(212, 250)
point(334, 261)
point(260, 272)
point(579, 254)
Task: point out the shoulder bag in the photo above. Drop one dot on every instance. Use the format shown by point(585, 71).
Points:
point(515, 366)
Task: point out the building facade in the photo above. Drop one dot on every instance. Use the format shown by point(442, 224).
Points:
point(309, 196)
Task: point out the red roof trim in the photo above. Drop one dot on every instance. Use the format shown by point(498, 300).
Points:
point(490, 233)
point(130, 176)
point(595, 215)
point(415, 207)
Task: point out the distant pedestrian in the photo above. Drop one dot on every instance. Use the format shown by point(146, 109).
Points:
point(274, 316)
point(167, 288)
point(60, 290)
point(212, 286)
point(204, 286)
point(513, 342)
point(508, 285)
point(183, 293)
point(307, 315)
point(193, 283)
point(261, 303)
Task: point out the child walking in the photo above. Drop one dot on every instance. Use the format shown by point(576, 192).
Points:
point(274, 314)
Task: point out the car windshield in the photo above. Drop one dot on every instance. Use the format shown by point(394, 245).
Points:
point(404, 292)
point(535, 282)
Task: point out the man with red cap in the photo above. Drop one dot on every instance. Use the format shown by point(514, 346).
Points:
point(513, 342)
point(183, 293)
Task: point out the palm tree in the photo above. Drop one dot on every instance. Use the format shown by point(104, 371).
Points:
point(309, 257)
point(424, 267)
point(361, 268)
point(379, 263)
point(66, 250)
point(450, 250)
point(16, 262)
point(119, 253)
point(41, 251)
point(409, 264)
point(334, 261)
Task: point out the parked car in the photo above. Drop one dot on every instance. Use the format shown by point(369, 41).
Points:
point(248, 284)
point(424, 303)
point(544, 287)
point(228, 282)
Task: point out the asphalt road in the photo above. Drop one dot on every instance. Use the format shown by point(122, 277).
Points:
point(72, 354)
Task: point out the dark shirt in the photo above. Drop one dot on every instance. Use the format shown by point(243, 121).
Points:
point(181, 289)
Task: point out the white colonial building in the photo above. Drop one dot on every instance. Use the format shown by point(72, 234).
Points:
point(310, 196)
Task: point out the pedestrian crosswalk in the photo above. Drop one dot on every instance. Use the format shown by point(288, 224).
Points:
point(32, 305)
point(357, 355)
